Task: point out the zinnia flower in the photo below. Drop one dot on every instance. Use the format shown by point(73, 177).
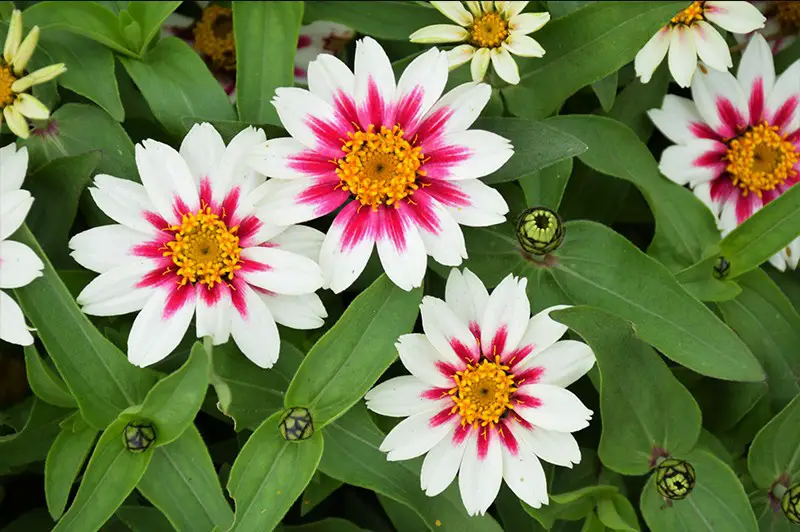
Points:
point(485, 399)
point(399, 159)
point(187, 244)
point(16, 103)
point(688, 36)
point(737, 140)
point(492, 32)
point(19, 265)
point(782, 25)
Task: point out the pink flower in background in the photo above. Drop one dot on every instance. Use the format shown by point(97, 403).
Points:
point(782, 25)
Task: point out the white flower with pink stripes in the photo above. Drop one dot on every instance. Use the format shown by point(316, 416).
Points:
point(485, 399)
point(737, 140)
point(397, 157)
point(187, 244)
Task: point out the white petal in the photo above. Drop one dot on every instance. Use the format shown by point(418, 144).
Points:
point(419, 87)
point(736, 17)
point(283, 272)
point(166, 178)
point(481, 153)
point(505, 318)
point(102, 248)
point(441, 465)
point(462, 105)
point(445, 241)
point(287, 158)
point(558, 409)
point(523, 46)
point(347, 246)
point(562, 363)
point(480, 477)
point(14, 207)
point(512, 9)
point(524, 474)
point(480, 64)
point(455, 11)
point(755, 67)
point(677, 119)
point(559, 448)
point(298, 312)
point(301, 240)
point(474, 8)
point(233, 169)
point(703, 192)
point(485, 205)
point(439, 33)
point(330, 79)
point(116, 291)
point(254, 331)
point(678, 162)
point(298, 109)
point(214, 319)
point(13, 165)
point(651, 55)
point(444, 330)
point(542, 332)
point(374, 84)
point(401, 250)
point(19, 265)
point(123, 201)
point(422, 359)
point(711, 47)
point(786, 93)
point(682, 58)
point(12, 326)
point(459, 55)
point(414, 436)
point(709, 91)
point(526, 23)
point(399, 397)
point(283, 203)
point(505, 66)
point(157, 332)
point(466, 295)
point(202, 149)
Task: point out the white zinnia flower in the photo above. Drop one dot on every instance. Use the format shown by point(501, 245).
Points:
point(486, 399)
point(187, 244)
point(19, 265)
point(492, 30)
point(688, 36)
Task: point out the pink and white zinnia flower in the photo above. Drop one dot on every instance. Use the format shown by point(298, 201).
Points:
point(187, 244)
point(737, 140)
point(19, 265)
point(399, 159)
point(486, 398)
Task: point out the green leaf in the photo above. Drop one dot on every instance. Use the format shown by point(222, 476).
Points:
point(144, 519)
point(98, 374)
point(44, 382)
point(606, 90)
point(331, 524)
point(765, 319)
point(111, 475)
point(763, 234)
point(402, 517)
point(176, 84)
point(546, 187)
point(561, 8)
point(582, 48)
point(570, 506)
point(718, 501)
point(182, 483)
point(617, 513)
point(64, 460)
point(699, 281)
point(643, 406)
point(725, 403)
point(150, 16)
point(355, 352)
point(637, 98)
point(30, 444)
point(320, 487)
point(774, 452)
point(770, 518)
point(269, 474)
point(246, 395)
point(382, 20)
point(352, 456)
point(266, 40)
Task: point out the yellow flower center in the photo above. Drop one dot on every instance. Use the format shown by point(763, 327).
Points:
point(7, 79)
point(213, 37)
point(789, 13)
point(379, 168)
point(690, 15)
point(483, 392)
point(204, 249)
point(489, 30)
point(761, 159)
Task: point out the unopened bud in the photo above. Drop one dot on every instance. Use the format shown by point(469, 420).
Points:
point(539, 231)
point(296, 424)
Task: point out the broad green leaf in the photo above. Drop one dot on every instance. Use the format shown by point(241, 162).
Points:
point(266, 41)
point(176, 84)
point(320, 487)
point(355, 352)
point(606, 90)
point(699, 281)
point(770, 326)
point(247, 395)
point(112, 473)
point(582, 48)
point(512, 515)
point(770, 517)
point(718, 501)
point(382, 20)
point(643, 406)
point(30, 444)
point(762, 235)
point(65, 460)
point(352, 456)
point(44, 382)
point(37, 519)
point(569, 506)
point(725, 403)
point(331, 524)
point(775, 451)
point(402, 517)
point(150, 16)
point(546, 187)
point(617, 513)
point(144, 519)
point(561, 8)
point(637, 98)
point(182, 483)
point(593, 524)
point(536, 146)
point(269, 474)
point(97, 374)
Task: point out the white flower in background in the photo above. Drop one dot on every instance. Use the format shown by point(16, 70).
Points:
point(400, 159)
point(737, 140)
point(689, 35)
point(19, 265)
point(781, 27)
point(188, 244)
point(210, 33)
point(492, 32)
point(486, 398)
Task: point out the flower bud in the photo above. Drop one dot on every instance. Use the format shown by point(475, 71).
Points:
point(790, 504)
point(539, 231)
point(721, 267)
point(139, 436)
point(296, 424)
point(675, 479)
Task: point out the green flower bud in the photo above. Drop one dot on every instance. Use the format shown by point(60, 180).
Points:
point(790, 504)
point(675, 479)
point(721, 267)
point(139, 436)
point(296, 424)
point(539, 231)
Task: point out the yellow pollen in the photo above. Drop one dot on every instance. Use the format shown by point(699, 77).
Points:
point(204, 249)
point(379, 168)
point(482, 393)
point(489, 30)
point(761, 159)
point(789, 13)
point(7, 79)
point(690, 15)
point(213, 37)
